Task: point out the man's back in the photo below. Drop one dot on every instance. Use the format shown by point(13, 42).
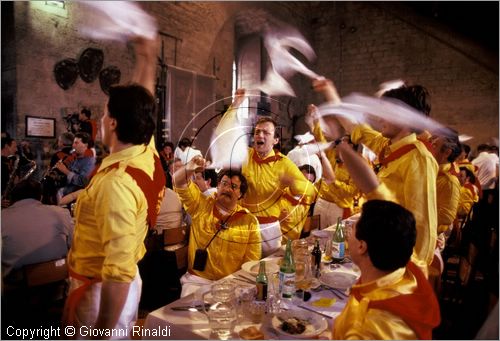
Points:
point(33, 233)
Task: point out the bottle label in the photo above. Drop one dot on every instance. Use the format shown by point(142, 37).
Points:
point(338, 250)
point(261, 291)
point(287, 284)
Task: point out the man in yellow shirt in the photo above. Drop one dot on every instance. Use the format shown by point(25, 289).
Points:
point(269, 173)
point(469, 193)
point(223, 234)
point(408, 169)
point(392, 299)
point(113, 212)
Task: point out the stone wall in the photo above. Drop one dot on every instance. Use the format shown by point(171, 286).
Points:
point(359, 45)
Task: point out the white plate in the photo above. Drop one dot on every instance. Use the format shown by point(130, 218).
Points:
point(252, 267)
point(338, 279)
point(315, 324)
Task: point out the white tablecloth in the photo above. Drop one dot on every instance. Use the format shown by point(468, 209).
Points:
point(183, 325)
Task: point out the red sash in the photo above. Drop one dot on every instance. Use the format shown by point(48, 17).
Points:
point(420, 309)
point(269, 159)
point(153, 189)
point(395, 154)
point(75, 296)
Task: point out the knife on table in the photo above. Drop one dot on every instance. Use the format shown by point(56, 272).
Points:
point(198, 307)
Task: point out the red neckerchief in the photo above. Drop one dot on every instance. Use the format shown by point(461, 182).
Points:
point(419, 310)
point(153, 189)
point(235, 216)
point(395, 154)
point(276, 157)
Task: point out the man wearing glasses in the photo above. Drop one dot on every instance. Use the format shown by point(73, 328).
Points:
point(223, 234)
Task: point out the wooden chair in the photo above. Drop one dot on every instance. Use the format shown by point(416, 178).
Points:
point(176, 240)
point(46, 272)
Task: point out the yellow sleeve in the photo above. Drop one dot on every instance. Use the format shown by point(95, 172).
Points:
point(117, 205)
point(191, 197)
point(369, 137)
point(465, 203)
point(301, 186)
point(448, 198)
point(381, 193)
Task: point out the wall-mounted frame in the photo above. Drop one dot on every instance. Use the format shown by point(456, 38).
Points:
point(40, 127)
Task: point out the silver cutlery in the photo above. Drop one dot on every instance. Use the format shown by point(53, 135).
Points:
point(314, 311)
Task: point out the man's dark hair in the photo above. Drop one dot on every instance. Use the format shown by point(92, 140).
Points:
point(67, 139)
point(452, 142)
point(232, 172)
point(309, 170)
point(27, 189)
point(415, 96)
point(185, 142)
point(84, 137)
point(133, 107)
point(274, 123)
point(466, 149)
point(389, 232)
point(6, 141)
point(469, 174)
point(210, 174)
point(481, 148)
point(168, 143)
point(86, 112)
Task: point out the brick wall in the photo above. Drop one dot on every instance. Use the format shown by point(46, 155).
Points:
point(359, 45)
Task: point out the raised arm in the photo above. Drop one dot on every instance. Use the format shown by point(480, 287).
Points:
point(145, 65)
point(328, 89)
point(328, 173)
point(363, 176)
point(182, 175)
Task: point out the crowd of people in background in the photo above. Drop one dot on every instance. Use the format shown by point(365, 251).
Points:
point(415, 193)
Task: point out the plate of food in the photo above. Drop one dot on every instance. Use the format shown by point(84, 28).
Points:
point(300, 324)
point(252, 267)
point(338, 279)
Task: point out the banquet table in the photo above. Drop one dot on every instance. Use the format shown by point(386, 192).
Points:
point(165, 323)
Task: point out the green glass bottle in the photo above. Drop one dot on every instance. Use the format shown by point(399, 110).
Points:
point(316, 259)
point(261, 282)
point(338, 243)
point(287, 273)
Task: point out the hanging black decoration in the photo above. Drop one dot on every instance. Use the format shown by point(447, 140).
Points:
point(109, 76)
point(90, 63)
point(66, 72)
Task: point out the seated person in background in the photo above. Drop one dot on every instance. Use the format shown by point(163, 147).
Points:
point(392, 299)
point(469, 193)
point(80, 167)
point(225, 232)
point(185, 151)
point(166, 155)
point(64, 145)
point(204, 180)
point(31, 231)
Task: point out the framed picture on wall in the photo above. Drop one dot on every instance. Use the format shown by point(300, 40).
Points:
point(40, 127)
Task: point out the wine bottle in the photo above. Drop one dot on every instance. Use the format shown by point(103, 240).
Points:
point(338, 243)
point(316, 259)
point(287, 273)
point(261, 282)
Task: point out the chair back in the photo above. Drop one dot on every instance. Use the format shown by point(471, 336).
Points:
point(176, 240)
point(175, 235)
point(45, 272)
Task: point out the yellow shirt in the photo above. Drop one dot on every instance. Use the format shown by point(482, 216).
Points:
point(343, 190)
point(111, 217)
point(468, 196)
point(357, 322)
point(292, 225)
point(448, 196)
point(264, 188)
point(232, 247)
point(412, 180)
